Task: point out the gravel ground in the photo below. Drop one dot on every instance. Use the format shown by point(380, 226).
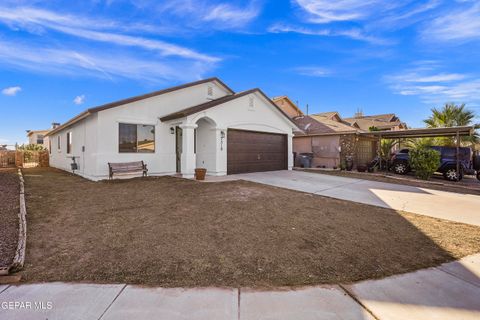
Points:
point(9, 207)
point(174, 232)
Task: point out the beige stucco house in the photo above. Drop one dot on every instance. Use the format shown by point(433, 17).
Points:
point(37, 137)
point(331, 138)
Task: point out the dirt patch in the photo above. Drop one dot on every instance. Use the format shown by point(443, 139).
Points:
point(463, 187)
point(9, 207)
point(174, 232)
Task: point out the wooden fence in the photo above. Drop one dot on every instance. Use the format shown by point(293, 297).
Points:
point(7, 158)
point(23, 159)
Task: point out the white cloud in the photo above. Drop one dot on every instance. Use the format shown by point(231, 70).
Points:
point(458, 25)
point(44, 59)
point(79, 99)
point(152, 60)
point(370, 16)
point(233, 16)
point(326, 11)
point(422, 78)
point(312, 71)
point(355, 34)
point(223, 15)
point(11, 91)
point(78, 26)
point(436, 87)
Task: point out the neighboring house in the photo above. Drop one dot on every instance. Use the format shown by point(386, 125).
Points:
point(379, 122)
point(40, 136)
point(287, 106)
point(329, 138)
point(37, 137)
point(199, 124)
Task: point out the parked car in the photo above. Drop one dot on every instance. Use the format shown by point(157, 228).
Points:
point(469, 164)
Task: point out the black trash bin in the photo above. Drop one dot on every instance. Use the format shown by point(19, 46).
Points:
point(305, 160)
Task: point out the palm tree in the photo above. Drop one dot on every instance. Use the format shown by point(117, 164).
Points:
point(386, 148)
point(452, 115)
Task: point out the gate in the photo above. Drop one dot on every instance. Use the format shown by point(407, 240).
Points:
point(31, 159)
point(7, 158)
point(365, 151)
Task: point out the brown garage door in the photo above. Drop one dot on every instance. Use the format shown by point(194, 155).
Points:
point(250, 151)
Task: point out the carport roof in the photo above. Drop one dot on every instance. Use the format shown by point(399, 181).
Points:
point(422, 132)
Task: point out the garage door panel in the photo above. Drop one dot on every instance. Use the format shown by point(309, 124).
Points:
point(249, 151)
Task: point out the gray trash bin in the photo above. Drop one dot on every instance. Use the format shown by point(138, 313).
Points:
point(305, 160)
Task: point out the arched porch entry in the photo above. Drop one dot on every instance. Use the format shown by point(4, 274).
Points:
point(206, 145)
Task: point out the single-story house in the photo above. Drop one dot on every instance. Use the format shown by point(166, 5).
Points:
point(200, 124)
point(329, 137)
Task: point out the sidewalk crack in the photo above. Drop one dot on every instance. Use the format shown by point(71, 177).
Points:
point(5, 289)
point(113, 301)
point(238, 305)
point(358, 301)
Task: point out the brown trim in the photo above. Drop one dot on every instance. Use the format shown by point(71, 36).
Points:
point(157, 93)
point(422, 132)
point(210, 104)
point(326, 134)
point(133, 99)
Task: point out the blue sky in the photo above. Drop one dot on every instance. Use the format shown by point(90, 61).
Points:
point(58, 58)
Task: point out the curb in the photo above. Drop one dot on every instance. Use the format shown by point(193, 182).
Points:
point(19, 259)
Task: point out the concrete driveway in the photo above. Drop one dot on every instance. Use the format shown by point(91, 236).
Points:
point(457, 207)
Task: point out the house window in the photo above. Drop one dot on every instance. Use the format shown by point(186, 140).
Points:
point(58, 142)
point(50, 145)
point(210, 91)
point(137, 138)
point(39, 138)
point(69, 142)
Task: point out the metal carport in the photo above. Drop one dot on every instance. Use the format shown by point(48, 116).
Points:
point(456, 132)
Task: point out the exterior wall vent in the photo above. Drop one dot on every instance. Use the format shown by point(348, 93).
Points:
point(251, 102)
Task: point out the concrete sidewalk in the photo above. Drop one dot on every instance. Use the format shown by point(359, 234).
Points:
point(450, 291)
point(457, 207)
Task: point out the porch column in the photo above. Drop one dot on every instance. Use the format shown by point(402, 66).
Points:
point(220, 151)
point(188, 158)
point(290, 151)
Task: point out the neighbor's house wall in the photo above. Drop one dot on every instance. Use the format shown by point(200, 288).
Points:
point(325, 149)
point(101, 133)
point(32, 138)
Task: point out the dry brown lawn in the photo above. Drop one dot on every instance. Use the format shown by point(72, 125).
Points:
point(173, 232)
point(9, 207)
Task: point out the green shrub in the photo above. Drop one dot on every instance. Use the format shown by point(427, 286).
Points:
point(424, 161)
